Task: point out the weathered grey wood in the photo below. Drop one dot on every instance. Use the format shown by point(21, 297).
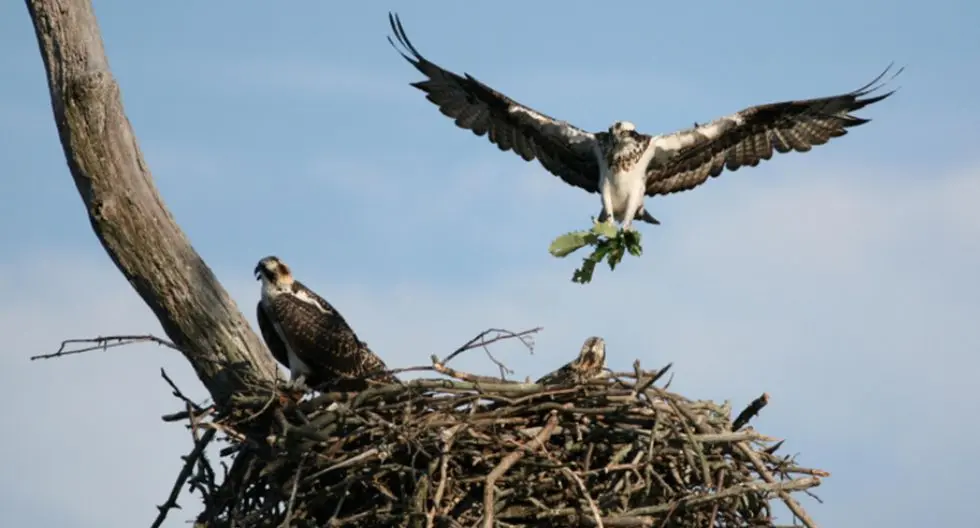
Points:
point(126, 211)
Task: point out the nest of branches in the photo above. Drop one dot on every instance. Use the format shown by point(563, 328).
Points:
point(467, 450)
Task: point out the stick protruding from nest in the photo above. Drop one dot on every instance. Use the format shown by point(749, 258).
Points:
point(616, 450)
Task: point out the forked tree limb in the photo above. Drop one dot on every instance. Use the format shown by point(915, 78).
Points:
point(126, 211)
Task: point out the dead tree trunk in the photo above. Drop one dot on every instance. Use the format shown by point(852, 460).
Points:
point(126, 211)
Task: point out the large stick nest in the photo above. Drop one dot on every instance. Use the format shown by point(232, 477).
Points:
point(619, 451)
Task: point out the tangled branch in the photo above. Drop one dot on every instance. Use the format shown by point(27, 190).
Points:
point(474, 450)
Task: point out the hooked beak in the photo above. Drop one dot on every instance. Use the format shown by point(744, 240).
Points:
point(258, 272)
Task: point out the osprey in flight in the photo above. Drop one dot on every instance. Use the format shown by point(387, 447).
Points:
point(588, 365)
point(309, 336)
point(623, 165)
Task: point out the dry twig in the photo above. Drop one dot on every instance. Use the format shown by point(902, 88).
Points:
point(104, 343)
point(182, 477)
point(750, 412)
point(442, 452)
point(490, 336)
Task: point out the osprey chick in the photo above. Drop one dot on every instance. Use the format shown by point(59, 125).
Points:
point(309, 336)
point(624, 165)
point(588, 365)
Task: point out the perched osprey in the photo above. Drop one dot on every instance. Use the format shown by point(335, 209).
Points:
point(588, 365)
point(309, 336)
point(623, 165)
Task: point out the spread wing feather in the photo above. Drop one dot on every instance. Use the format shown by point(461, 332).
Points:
point(562, 149)
point(326, 343)
point(751, 135)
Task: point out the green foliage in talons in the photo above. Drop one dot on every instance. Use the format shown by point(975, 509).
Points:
point(609, 243)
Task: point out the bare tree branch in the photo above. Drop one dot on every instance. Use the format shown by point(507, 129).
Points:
point(103, 343)
point(750, 412)
point(126, 211)
point(482, 340)
point(182, 477)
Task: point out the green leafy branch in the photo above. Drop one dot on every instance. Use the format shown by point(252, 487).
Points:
point(609, 242)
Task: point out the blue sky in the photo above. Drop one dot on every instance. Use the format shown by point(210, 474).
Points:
point(842, 282)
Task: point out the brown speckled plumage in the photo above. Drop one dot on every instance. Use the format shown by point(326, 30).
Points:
point(624, 153)
point(750, 136)
point(322, 339)
point(588, 365)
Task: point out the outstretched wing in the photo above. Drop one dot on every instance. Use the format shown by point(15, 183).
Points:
point(750, 136)
point(271, 337)
point(564, 150)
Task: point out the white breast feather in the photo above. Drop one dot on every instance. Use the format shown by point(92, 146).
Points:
point(297, 367)
point(620, 185)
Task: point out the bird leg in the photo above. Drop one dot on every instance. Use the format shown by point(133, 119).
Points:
point(299, 383)
point(296, 387)
point(606, 215)
point(634, 206)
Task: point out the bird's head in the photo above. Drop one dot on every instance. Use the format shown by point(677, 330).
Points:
point(272, 270)
point(622, 128)
point(594, 350)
